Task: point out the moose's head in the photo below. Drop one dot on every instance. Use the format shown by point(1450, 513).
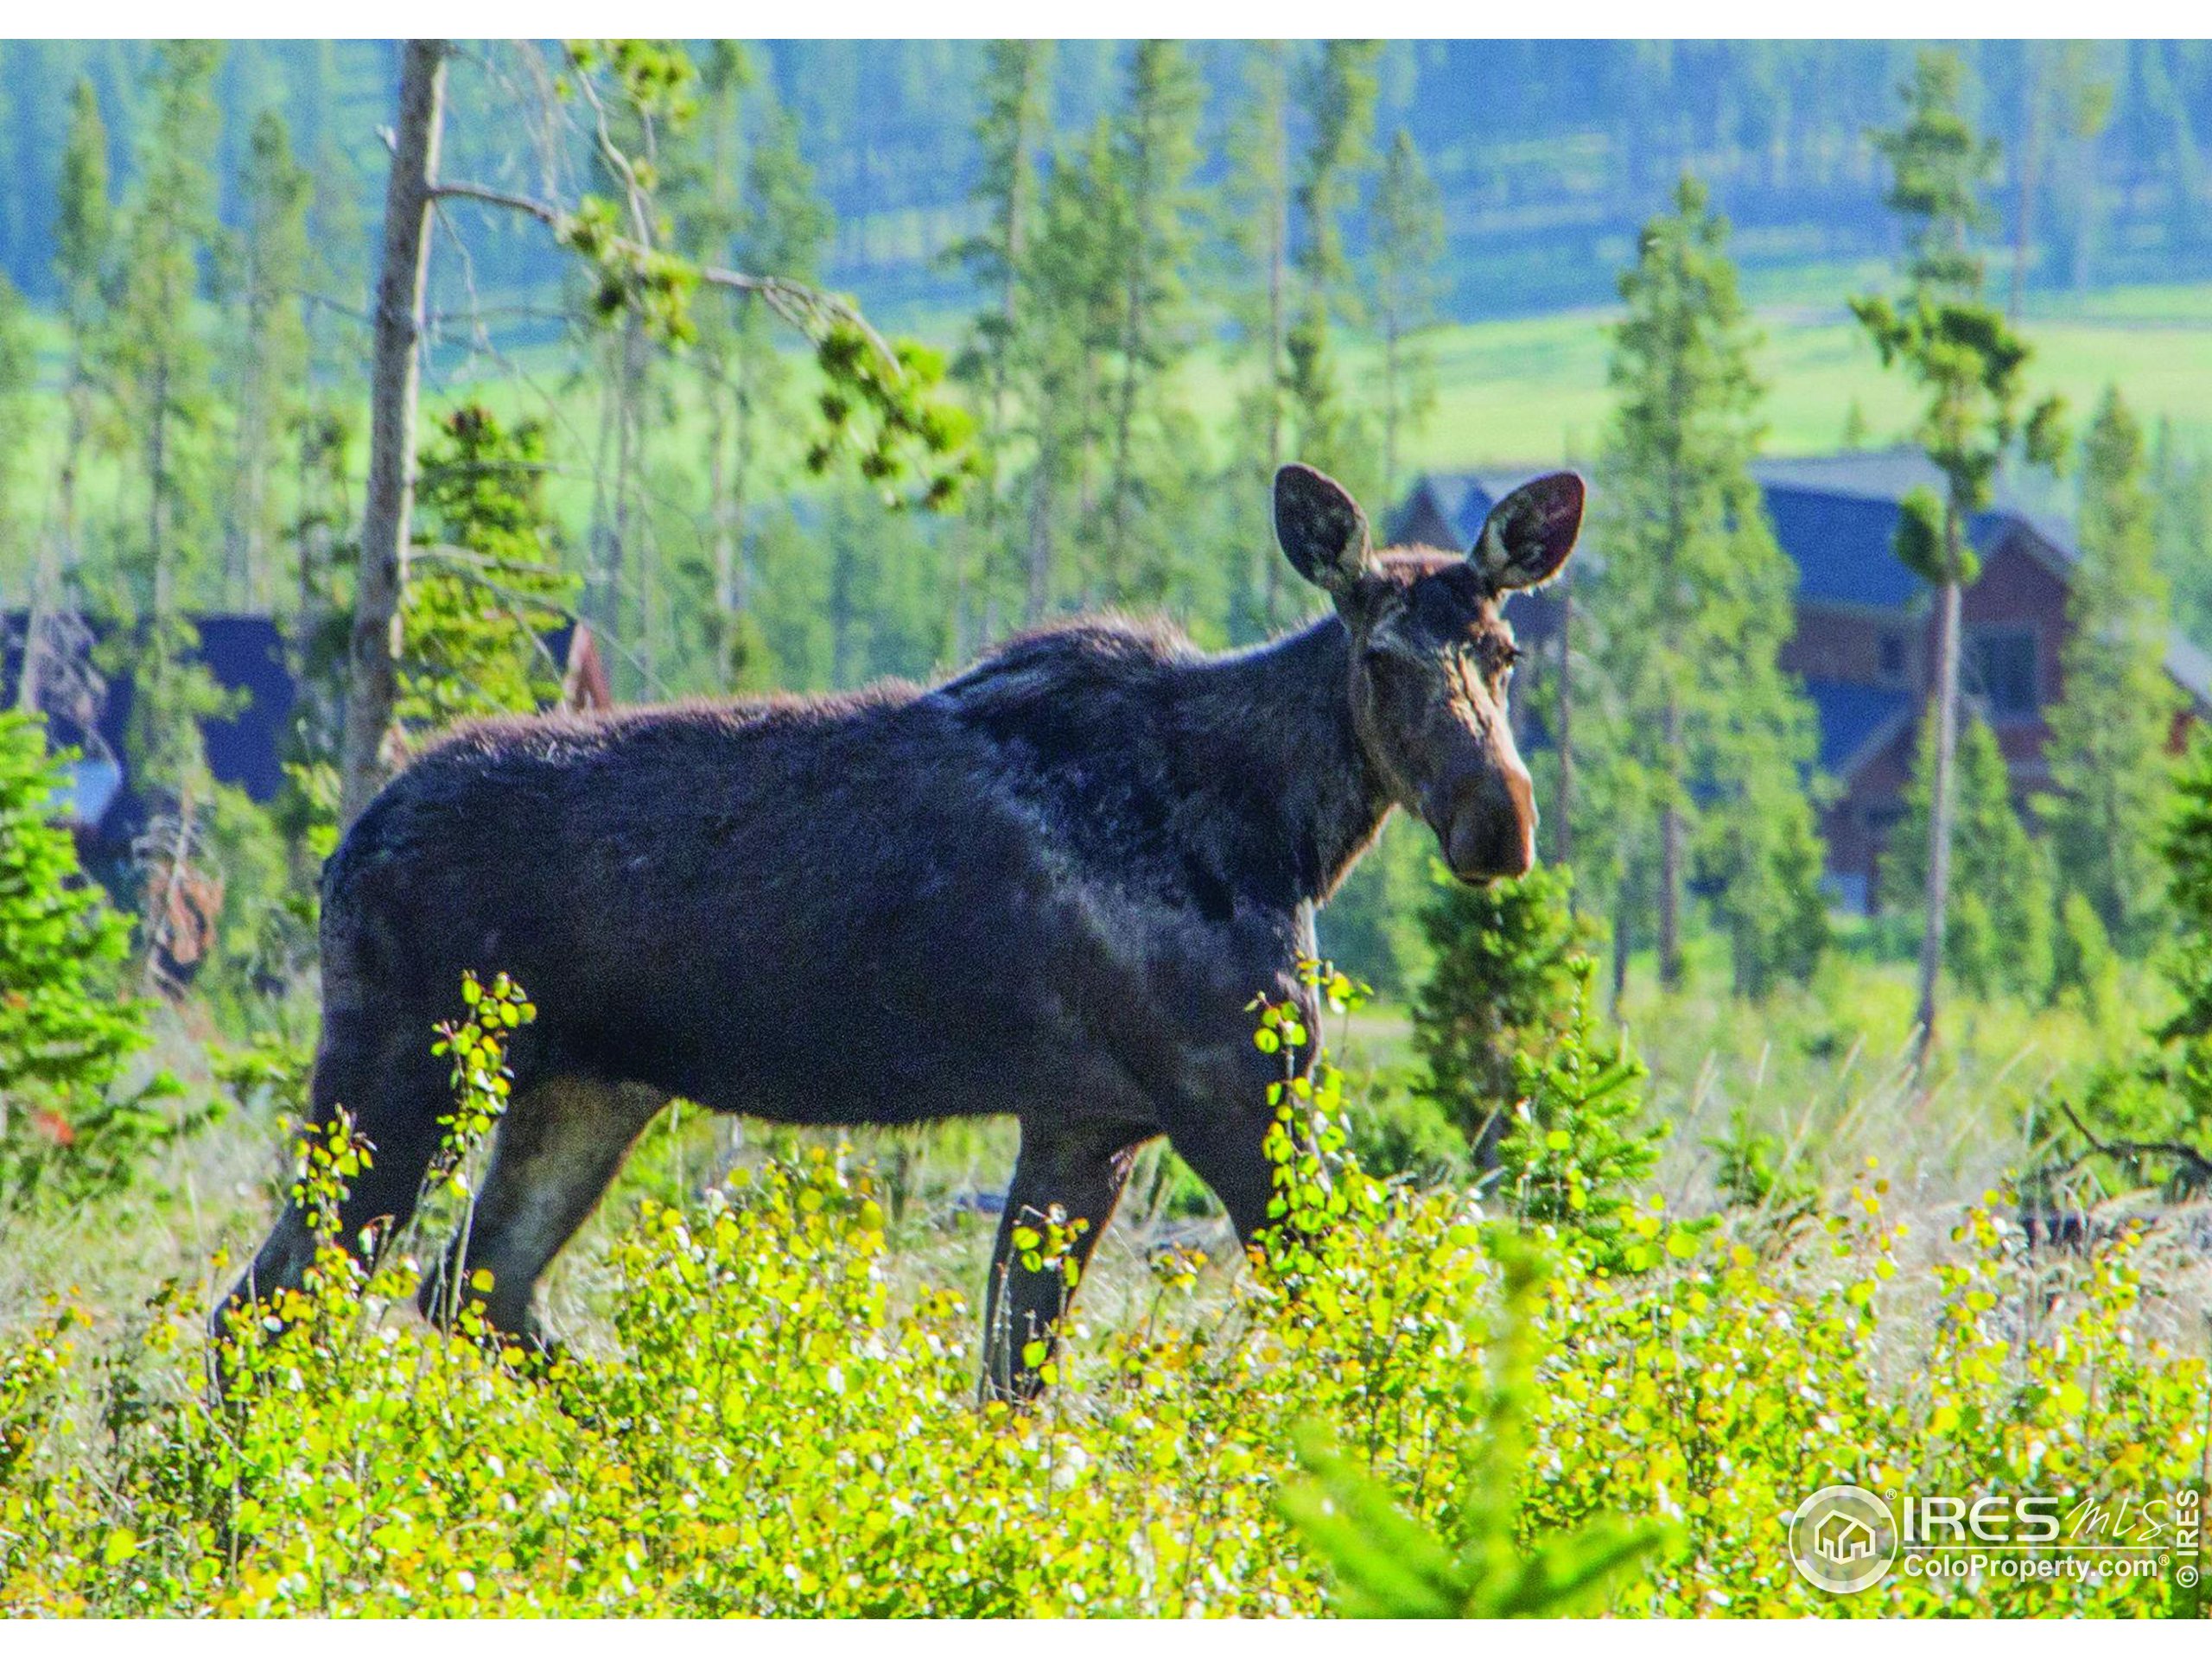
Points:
point(1431, 656)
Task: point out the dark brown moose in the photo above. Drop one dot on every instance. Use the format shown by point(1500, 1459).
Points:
point(1050, 887)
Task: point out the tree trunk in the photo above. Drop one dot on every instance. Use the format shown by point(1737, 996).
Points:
point(1563, 803)
point(629, 378)
point(27, 685)
point(1944, 699)
point(743, 405)
point(372, 682)
point(1624, 917)
point(1278, 255)
point(1014, 236)
point(1670, 855)
point(1040, 597)
point(158, 495)
point(49, 584)
point(723, 537)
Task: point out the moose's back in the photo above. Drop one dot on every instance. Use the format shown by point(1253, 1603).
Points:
point(882, 908)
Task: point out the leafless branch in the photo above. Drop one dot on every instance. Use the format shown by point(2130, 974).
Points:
point(2198, 1166)
point(544, 212)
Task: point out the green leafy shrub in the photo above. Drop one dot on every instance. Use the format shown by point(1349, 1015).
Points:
point(780, 1420)
point(1386, 1564)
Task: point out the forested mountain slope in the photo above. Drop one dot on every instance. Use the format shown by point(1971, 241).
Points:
point(1547, 154)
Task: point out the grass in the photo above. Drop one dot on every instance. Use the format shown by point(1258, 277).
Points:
point(1534, 390)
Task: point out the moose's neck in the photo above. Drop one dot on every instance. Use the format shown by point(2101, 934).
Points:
point(1271, 735)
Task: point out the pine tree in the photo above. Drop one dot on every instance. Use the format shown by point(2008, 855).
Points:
point(1072, 300)
point(269, 365)
point(1947, 338)
point(2188, 851)
point(2111, 773)
point(2182, 517)
point(742, 196)
point(1011, 132)
point(1997, 936)
point(489, 587)
point(1706, 740)
point(157, 366)
point(879, 403)
point(84, 232)
point(1256, 209)
point(64, 1034)
point(1154, 152)
point(1407, 232)
point(18, 375)
point(83, 227)
point(1339, 95)
point(1505, 963)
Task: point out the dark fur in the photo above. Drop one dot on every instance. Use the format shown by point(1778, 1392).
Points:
point(1049, 887)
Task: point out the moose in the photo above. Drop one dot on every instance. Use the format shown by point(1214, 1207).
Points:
point(1050, 887)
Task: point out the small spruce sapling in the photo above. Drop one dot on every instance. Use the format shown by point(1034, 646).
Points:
point(1386, 1565)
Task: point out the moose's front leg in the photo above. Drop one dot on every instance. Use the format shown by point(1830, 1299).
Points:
point(1066, 1174)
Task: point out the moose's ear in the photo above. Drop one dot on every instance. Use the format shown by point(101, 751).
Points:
point(1321, 529)
point(1528, 534)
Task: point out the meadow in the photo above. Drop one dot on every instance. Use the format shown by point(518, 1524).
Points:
point(765, 1404)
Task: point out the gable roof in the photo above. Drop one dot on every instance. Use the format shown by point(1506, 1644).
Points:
point(1446, 510)
point(1856, 722)
point(1836, 517)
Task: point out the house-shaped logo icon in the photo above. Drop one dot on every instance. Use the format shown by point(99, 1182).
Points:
point(1843, 1539)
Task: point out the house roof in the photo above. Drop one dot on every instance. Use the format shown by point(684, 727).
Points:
point(245, 654)
point(1841, 544)
point(1446, 510)
point(1855, 721)
point(1836, 517)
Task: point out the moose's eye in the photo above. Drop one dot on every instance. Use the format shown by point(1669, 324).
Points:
point(1499, 655)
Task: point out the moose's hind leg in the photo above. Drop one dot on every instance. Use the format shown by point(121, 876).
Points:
point(556, 1149)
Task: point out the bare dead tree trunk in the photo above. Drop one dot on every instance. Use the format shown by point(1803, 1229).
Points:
point(372, 683)
point(1944, 698)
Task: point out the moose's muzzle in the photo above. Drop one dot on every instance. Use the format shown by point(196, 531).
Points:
point(1489, 830)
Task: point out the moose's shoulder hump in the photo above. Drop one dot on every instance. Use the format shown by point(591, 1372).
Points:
point(1096, 655)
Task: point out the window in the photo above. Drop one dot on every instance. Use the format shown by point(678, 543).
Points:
point(1891, 651)
point(2000, 665)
